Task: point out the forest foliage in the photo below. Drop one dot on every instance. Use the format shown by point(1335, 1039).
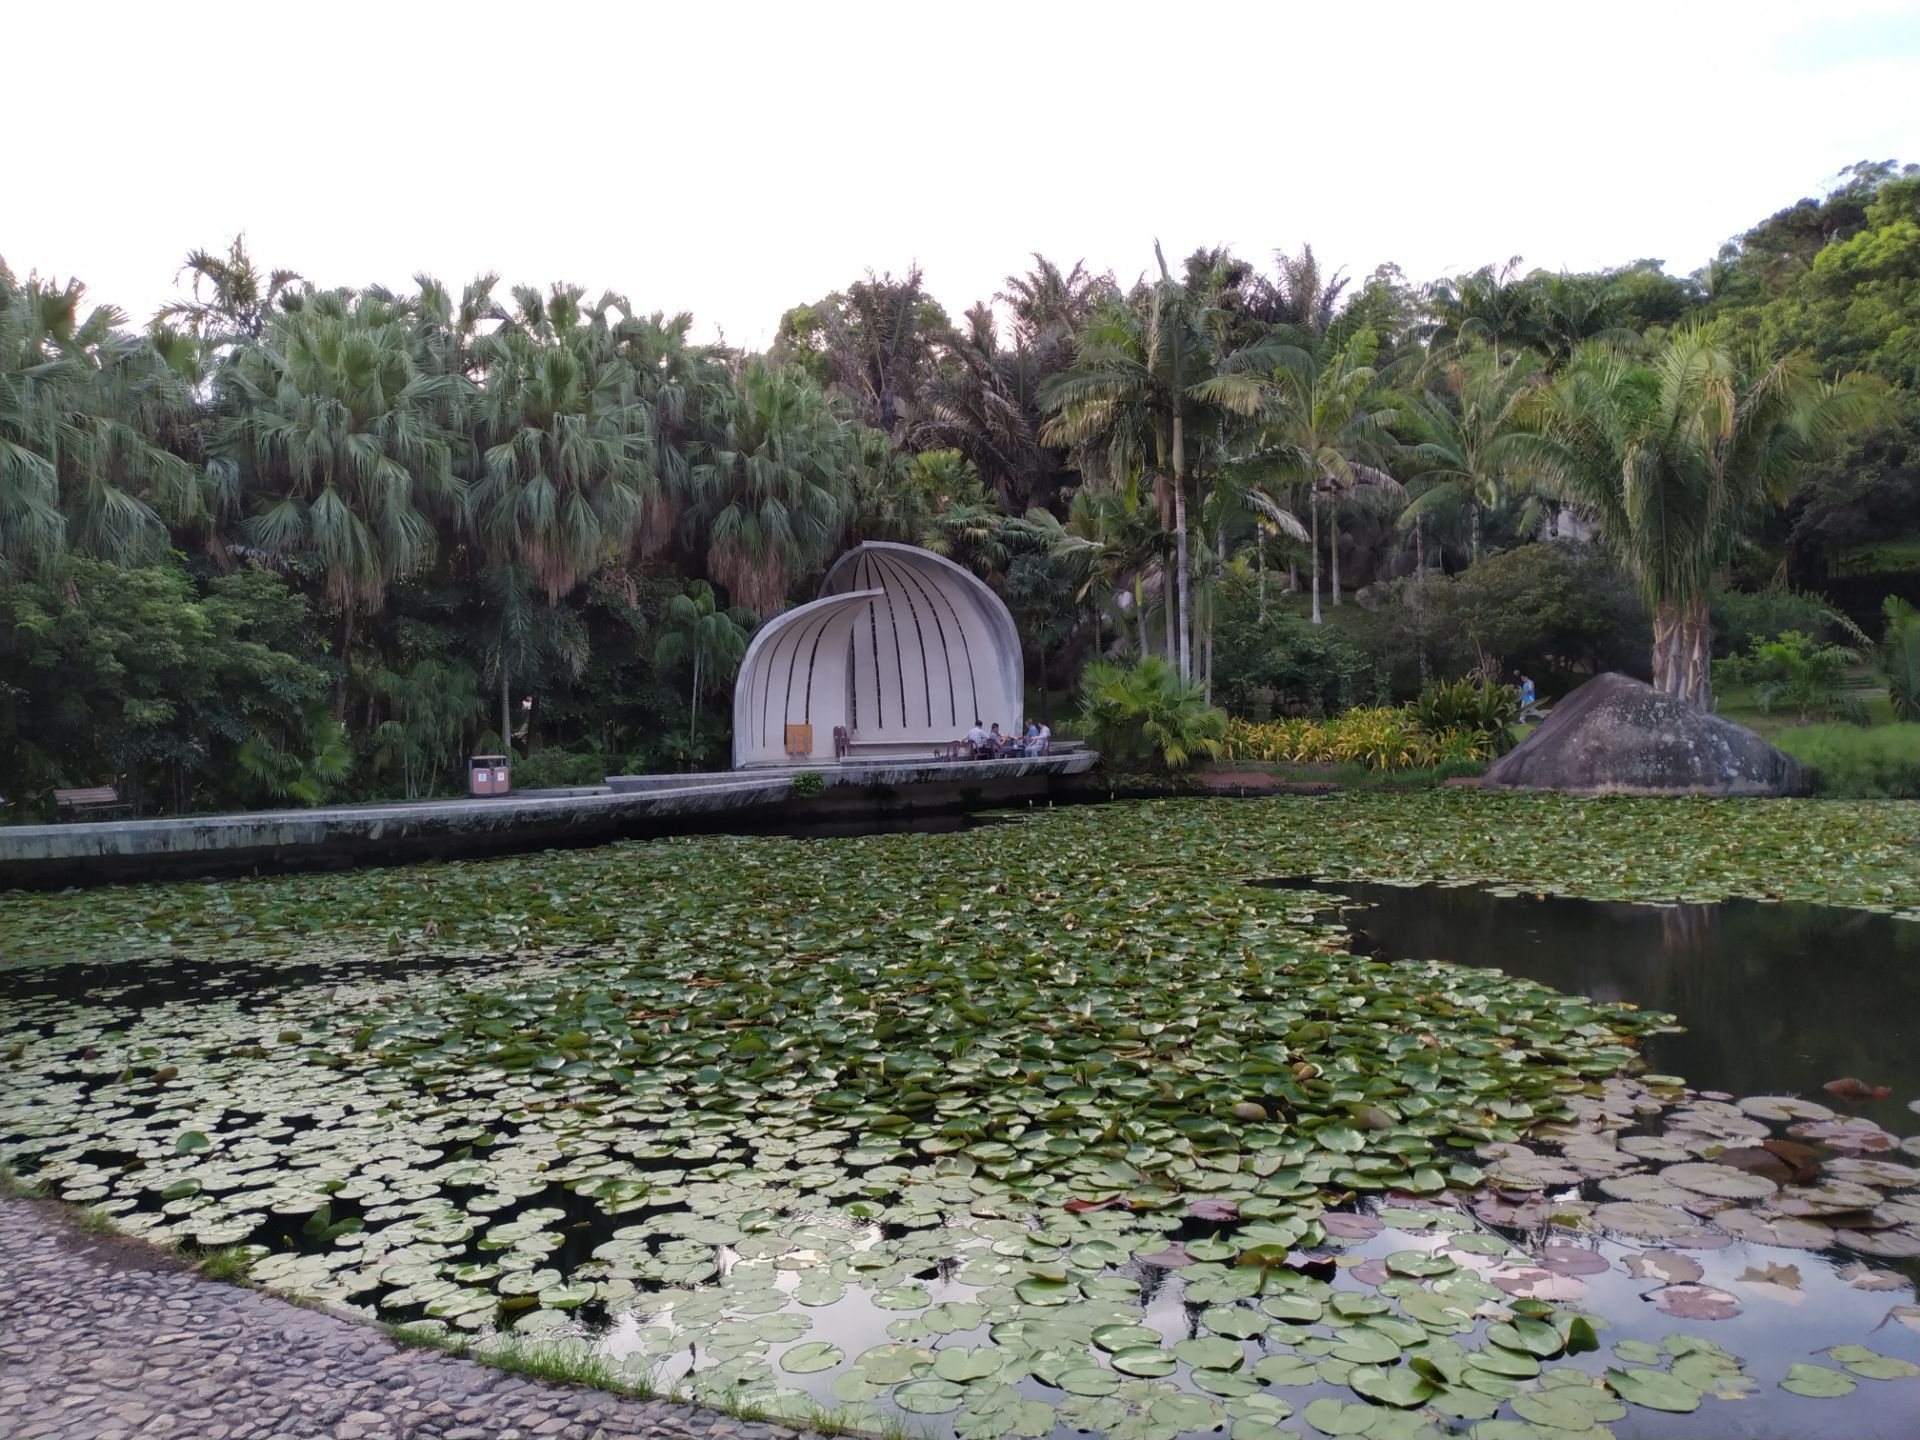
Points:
point(289, 541)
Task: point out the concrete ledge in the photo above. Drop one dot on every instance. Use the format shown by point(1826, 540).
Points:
point(333, 837)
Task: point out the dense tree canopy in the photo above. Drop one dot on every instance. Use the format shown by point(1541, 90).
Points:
point(292, 541)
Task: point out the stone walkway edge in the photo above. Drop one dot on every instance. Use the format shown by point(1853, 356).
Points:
point(107, 1338)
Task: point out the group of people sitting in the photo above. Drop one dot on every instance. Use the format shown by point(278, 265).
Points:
point(990, 744)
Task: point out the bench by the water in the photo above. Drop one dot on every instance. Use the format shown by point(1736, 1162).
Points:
point(97, 800)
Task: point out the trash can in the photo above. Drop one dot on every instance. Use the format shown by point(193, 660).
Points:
point(488, 775)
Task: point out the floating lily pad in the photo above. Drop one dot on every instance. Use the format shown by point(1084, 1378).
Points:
point(1817, 1381)
point(1654, 1389)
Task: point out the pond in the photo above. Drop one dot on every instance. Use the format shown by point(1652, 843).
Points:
point(1037, 1129)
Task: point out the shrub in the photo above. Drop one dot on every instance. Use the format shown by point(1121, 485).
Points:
point(555, 768)
point(1742, 616)
point(1377, 739)
point(1794, 672)
point(1900, 652)
point(1849, 763)
point(1281, 666)
point(809, 782)
point(1146, 715)
point(1488, 711)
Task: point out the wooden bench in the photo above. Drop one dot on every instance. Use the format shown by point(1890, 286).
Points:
point(99, 800)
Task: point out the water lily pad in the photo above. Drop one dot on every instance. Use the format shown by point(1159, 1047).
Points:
point(1819, 1382)
point(1654, 1390)
point(812, 1356)
point(1724, 1181)
point(1762, 1227)
point(928, 1397)
point(1211, 1354)
point(1872, 1365)
point(1149, 1361)
point(960, 1364)
point(1330, 1417)
point(1396, 1385)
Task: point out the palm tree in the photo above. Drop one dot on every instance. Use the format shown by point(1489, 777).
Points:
point(713, 637)
point(1673, 459)
point(81, 403)
point(1324, 421)
point(1492, 306)
point(1152, 377)
point(773, 493)
point(342, 444)
point(232, 299)
point(1464, 440)
point(569, 461)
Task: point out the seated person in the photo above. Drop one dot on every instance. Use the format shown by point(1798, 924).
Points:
point(996, 742)
point(1042, 740)
point(977, 740)
point(1032, 738)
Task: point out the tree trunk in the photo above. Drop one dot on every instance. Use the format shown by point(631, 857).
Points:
point(1166, 604)
point(506, 710)
point(1473, 520)
point(346, 668)
point(1180, 545)
point(1140, 615)
point(1260, 558)
point(1420, 594)
point(1696, 653)
point(1333, 546)
point(1313, 540)
point(693, 724)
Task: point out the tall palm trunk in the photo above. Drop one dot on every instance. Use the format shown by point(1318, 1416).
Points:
point(1140, 612)
point(346, 664)
point(1333, 544)
point(506, 709)
point(1313, 543)
point(1166, 608)
point(1180, 543)
point(1260, 559)
point(694, 723)
point(1683, 651)
point(1473, 518)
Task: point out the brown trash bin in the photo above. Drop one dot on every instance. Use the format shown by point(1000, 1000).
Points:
point(489, 775)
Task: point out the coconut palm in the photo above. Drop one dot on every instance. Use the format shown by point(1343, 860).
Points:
point(1324, 422)
point(1464, 439)
point(713, 637)
point(772, 490)
point(1491, 306)
point(341, 443)
point(1674, 459)
point(1153, 381)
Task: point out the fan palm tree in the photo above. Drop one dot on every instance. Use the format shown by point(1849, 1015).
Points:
point(714, 638)
point(773, 492)
point(1464, 440)
point(81, 403)
point(569, 461)
point(1672, 460)
point(342, 444)
point(1494, 306)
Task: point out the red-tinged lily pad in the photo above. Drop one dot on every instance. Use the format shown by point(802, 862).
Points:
point(1901, 1244)
point(1864, 1277)
point(1695, 1302)
point(1669, 1267)
point(1562, 1257)
point(1848, 1088)
point(1762, 1227)
point(1349, 1225)
point(1846, 1134)
point(1171, 1258)
point(1081, 1207)
point(1220, 1210)
point(1775, 1282)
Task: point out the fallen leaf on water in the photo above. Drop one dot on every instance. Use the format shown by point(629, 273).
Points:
point(1775, 1282)
point(1669, 1267)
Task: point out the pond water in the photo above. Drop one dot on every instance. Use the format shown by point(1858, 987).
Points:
point(1770, 997)
point(1024, 1131)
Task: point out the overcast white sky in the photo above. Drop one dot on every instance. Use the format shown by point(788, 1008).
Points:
point(735, 159)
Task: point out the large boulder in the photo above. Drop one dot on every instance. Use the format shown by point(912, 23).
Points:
point(1619, 736)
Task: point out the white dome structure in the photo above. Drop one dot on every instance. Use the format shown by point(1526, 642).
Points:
point(904, 651)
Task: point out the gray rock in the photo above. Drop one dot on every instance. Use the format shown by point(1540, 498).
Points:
point(1618, 736)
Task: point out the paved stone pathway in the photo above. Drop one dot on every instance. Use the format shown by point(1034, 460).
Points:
point(103, 1338)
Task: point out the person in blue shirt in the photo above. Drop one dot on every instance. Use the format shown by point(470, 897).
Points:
point(1526, 694)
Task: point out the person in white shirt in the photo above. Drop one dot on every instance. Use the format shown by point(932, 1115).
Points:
point(1043, 742)
point(977, 738)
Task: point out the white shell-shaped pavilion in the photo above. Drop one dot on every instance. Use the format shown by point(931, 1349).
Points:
point(904, 650)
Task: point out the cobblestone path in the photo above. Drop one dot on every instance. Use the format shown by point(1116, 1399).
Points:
point(105, 1339)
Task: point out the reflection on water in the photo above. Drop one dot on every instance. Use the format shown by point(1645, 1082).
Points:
point(1774, 998)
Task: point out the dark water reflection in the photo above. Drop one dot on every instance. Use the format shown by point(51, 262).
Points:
point(1774, 997)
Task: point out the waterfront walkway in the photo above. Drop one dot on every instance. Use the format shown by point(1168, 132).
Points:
point(103, 1338)
point(339, 835)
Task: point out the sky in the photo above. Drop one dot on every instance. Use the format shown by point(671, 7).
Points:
point(736, 159)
